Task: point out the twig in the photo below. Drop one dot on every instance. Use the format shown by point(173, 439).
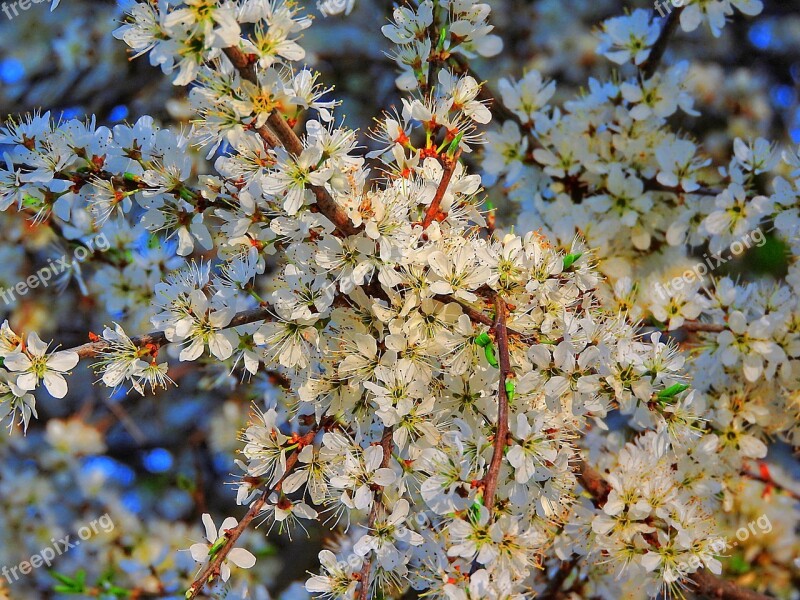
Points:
point(449, 165)
point(698, 326)
point(593, 482)
point(501, 433)
point(387, 443)
point(711, 586)
point(553, 588)
point(477, 316)
point(764, 476)
point(211, 570)
point(159, 338)
point(657, 52)
point(285, 136)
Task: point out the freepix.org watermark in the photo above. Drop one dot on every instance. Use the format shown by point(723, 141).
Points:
point(664, 7)
point(711, 262)
point(13, 9)
point(720, 546)
point(55, 268)
point(57, 547)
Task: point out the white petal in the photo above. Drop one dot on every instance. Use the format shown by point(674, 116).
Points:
point(62, 361)
point(36, 345)
point(242, 558)
point(55, 384)
point(199, 552)
point(211, 529)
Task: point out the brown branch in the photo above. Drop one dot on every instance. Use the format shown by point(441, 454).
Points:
point(159, 338)
point(286, 137)
point(553, 589)
point(593, 482)
point(708, 585)
point(649, 66)
point(387, 443)
point(764, 476)
point(211, 570)
point(476, 316)
point(449, 165)
point(501, 433)
point(698, 326)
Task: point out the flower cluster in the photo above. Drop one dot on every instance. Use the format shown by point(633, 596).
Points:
point(27, 364)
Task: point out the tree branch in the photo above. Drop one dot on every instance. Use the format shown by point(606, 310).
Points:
point(764, 476)
point(211, 570)
point(649, 66)
point(501, 433)
point(387, 443)
point(711, 586)
point(698, 326)
point(286, 137)
point(159, 338)
point(551, 592)
point(449, 165)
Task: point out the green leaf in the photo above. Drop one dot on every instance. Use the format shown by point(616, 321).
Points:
point(451, 150)
point(217, 545)
point(570, 259)
point(442, 38)
point(511, 387)
point(185, 483)
point(66, 579)
point(31, 201)
point(672, 391)
point(474, 511)
point(483, 340)
point(490, 355)
point(119, 592)
point(186, 194)
point(738, 564)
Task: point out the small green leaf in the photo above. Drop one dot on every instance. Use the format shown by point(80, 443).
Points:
point(451, 150)
point(120, 592)
point(570, 259)
point(738, 564)
point(474, 511)
point(483, 340)
point(31, 201)
point(442, 38)
point(185, 483)
point(511, 387)
point(65, 579)
point(672, 391)
point(490, 355)
point(217, 545)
